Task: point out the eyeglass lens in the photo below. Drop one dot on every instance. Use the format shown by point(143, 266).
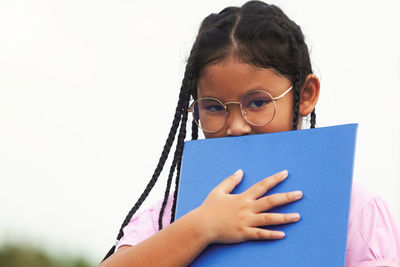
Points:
point(257, 108)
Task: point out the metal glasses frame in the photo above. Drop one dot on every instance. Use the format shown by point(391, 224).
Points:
point(225, 105)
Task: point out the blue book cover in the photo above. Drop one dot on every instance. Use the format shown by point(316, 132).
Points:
point(320, 164)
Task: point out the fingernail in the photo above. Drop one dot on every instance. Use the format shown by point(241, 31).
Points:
point(294, 217)
point(238, 173)
point(284, 173)
point(279, 234)
point(297, 194)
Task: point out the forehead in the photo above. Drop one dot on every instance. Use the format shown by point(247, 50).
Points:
point(231, 78)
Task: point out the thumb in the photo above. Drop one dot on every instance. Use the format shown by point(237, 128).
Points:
point(231, 182)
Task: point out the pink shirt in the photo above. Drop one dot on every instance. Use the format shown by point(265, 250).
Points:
point(373, 237)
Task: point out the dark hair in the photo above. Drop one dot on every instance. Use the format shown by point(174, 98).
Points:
point(256, 33)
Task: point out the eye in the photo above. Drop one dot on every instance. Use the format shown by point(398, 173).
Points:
point(258, 103)
point(211, 106)
point(214, 108)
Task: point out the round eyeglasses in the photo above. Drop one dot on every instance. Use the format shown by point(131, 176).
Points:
point(257, 107)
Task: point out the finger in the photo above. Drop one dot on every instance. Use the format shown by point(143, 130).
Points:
point(260, 188)
point(231, 182)
point(268, 202)
point(258, 233)
point(265, 219)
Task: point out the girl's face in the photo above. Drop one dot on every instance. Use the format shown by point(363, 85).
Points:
point(230, 79)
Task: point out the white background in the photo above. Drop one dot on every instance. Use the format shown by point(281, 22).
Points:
point(88, 90)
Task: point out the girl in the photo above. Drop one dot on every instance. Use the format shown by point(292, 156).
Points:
point(239, 52)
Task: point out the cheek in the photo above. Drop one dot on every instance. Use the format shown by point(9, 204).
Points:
point(281, 122)
point(274, 127)
point(215, 135)
point(284, 113)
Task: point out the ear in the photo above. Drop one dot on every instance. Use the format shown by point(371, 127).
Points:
point(309, 95)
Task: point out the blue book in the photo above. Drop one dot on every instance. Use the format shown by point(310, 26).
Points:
point(320, 164)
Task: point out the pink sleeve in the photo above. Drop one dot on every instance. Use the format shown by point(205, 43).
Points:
point(373, 237)
point(145, 224)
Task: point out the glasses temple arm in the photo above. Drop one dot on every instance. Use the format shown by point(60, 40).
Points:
point(283, 94)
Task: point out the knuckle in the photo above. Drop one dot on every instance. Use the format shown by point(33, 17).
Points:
point(270, 201)
point(267, 218)
point(259, 234)
point(241, 202)
point(287, 218)
point(270, 234)
point(241, 219)
point(240, 229)
point(242, 209)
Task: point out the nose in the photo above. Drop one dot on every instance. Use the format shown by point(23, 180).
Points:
point(236, 124)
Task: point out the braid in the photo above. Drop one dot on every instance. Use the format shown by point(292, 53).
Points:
point(296, 106)
point(177, 154)
point(313, 119)
point(195, 130)
point(169, 181)
point(178, 170)
point(178, 173)
point(157, 171)
point(164, 155)
point(297, 78)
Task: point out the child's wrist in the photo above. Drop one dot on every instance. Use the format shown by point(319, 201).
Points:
point(201, 226)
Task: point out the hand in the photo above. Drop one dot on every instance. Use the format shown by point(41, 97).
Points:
point(233, 218)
